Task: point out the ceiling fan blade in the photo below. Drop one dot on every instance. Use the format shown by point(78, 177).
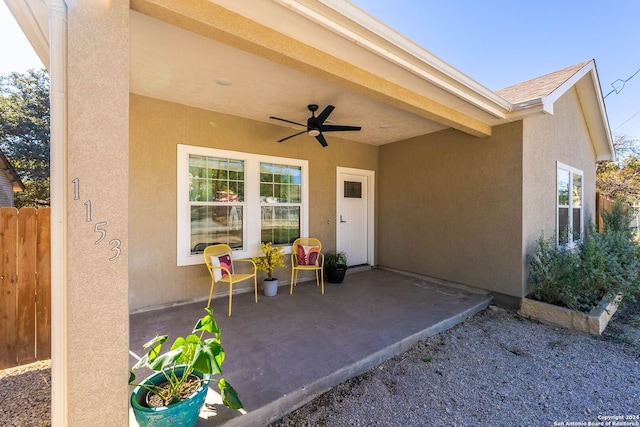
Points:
point(299, 133)
point(336, 128)
point(321, 140)
point(288, 121)
point(325, 113)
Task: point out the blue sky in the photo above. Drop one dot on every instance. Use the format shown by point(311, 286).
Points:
point(503, 42)
point(16, 54)
point(496, 42)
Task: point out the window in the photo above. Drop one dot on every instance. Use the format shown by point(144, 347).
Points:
point(280, 198)
point(216, 201)
point(239, 199)
point(569, 223)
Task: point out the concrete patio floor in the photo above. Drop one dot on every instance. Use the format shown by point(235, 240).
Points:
point(288, 349)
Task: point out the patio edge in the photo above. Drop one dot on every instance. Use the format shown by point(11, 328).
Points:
point(290, 402)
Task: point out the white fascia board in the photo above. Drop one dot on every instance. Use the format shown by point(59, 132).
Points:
point(590, 96)
point(33, 18)
point(592, 102)
point(602, 110)
point(564, 87)
point(471, 91)
point(547, 102)
point(528, 108)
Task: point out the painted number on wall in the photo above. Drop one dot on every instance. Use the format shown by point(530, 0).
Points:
point(99, 227)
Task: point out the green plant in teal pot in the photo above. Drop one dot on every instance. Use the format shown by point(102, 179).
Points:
point(174, 394)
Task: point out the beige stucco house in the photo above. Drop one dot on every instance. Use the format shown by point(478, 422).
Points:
point(10, 183)
point(162, 140)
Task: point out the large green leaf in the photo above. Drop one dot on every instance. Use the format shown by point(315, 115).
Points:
point(189, 345)
point(208, 358)
point(166, 359)
point(229, 395)
point(156, 345)
point(207, 323)
point(214, 348)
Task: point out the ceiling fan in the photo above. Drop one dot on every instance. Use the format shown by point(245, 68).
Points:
point(315, 125)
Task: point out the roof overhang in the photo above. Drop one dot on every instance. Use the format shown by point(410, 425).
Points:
point(320, 49)
point(281, 55)
point(587, 85)
point(33, 18)
point(285, 54)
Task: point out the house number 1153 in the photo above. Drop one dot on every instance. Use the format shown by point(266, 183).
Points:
point(100, 226)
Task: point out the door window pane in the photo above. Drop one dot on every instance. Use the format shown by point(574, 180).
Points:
point(353, 189)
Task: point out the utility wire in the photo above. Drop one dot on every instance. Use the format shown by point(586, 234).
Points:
point(626, 121)
point(617, 89)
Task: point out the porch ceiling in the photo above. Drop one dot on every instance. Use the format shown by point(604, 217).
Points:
point(175, 65)
point(178, 56)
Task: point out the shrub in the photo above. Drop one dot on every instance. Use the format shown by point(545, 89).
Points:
point(619, 218)
point(553, 270)
point(604, 265)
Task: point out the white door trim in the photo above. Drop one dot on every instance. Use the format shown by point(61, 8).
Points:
point(370, 208)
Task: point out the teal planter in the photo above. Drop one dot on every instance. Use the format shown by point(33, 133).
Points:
point(183, 414)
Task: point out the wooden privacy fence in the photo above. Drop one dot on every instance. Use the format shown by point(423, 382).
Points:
point(605, 205)
point(602, 205)
point(25, 286)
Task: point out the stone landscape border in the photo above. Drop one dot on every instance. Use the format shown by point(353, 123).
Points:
point(593, 323)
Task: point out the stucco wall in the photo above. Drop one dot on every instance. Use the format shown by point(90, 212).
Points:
point(450, 207)
point(548, 139)
point(155, 129)
point(90, 315)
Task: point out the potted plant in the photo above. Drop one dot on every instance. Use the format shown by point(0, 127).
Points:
point(273, 257)
point(335, 266)
point(175, 392)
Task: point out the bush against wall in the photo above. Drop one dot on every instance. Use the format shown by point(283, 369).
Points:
point(603, 266)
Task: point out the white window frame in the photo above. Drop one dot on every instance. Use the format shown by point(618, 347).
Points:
point(251, 216)
point(566, 168)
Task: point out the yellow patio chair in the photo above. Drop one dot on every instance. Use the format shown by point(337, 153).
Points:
point(219, 260)
point(306, 255)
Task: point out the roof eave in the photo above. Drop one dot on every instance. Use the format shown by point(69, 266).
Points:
point(33, 18)
point(590, 96)
point(426, 65)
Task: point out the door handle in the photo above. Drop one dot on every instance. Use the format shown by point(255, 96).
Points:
point(341, 221)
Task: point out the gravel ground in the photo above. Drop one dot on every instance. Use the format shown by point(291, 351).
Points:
point(25, 395)
point(495, 369)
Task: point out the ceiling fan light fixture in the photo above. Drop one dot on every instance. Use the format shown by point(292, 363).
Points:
point(317, 125)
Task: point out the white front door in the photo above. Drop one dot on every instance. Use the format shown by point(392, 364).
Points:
point(355, 215)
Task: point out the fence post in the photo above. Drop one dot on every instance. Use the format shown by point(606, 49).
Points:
point(43, 285)
point(8, 284)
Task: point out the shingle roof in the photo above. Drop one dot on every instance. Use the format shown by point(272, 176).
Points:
point(540, 86)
